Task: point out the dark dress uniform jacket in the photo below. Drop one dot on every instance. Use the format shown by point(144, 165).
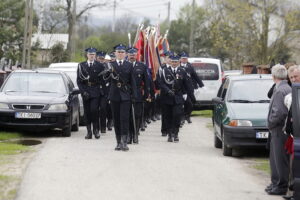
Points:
point(180, 86)
point(94, 84)
point(123, 89)
point(142, 81)
point(192, 75)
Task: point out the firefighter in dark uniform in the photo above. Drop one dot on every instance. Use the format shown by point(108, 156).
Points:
point(142, 84)
point(166, 64)
point(90, 86)
point(109, 123)
point(103, 101)
point(122, 94)
point(195, 81)
point(174, 84)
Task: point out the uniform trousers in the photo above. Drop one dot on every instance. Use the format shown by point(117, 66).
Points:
point(279, 159)
point(91, 111)
point(188, 107)
point(103, 112)
point(121, 112)
point(173, 114)
point(138, 110)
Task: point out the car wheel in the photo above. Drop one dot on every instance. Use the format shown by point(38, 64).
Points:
point(217, 142)
point(66, 132)
point(226, 150)
point(75, 127)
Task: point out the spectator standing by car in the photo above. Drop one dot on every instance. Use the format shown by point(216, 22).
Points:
point(89, 83)
point(279, 162)
point(294, 76)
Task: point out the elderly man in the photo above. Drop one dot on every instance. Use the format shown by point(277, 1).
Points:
point(279, 160)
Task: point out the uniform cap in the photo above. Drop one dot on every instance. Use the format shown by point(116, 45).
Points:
point(184, 55)
point(101, 53)
point(120, 47)
point(174, 57)
point(90, 50)
point(132, 50)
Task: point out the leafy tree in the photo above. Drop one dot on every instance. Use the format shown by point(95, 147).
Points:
point(58, 54)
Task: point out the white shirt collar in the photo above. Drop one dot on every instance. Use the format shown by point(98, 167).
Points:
point(88, 62)
point(118, 61)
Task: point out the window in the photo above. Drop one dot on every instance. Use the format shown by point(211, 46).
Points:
point(206, 71)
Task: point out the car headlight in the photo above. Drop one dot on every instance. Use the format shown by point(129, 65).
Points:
point(4, 106)
point(58, 107)
point(240, 123)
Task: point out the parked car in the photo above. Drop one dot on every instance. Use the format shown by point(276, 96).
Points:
point(232, 72)
point(211, 72)
point(240, 112)
point(64, 65)
point(72, 73)
point(40, 100)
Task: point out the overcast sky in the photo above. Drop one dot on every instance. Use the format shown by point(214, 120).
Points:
point(155, 10)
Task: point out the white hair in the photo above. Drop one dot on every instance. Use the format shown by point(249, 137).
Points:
point(279, 72)
point(294, 68)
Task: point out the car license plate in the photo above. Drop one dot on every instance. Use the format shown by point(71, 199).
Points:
point(262, 135)
point(23, 115)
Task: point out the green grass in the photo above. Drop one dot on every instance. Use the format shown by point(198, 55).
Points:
point(12, 149)
point(262, 165)
point(202, 113)
point(8, 135)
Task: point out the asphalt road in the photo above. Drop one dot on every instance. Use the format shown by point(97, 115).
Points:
point(78, 169)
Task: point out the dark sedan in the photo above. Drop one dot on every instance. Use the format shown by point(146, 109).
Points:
point(240, 112)
point(39, 100)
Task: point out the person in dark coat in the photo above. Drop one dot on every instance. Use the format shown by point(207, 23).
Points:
point(279, 162)
point(103, 100)
point(122, 94)
point(194, 79)
point(91, 88)
point(142, 83)
point(174, 84)
point(159, 77)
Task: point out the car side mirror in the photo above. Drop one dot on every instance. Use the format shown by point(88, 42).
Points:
point(217, 100)
point(75, 91)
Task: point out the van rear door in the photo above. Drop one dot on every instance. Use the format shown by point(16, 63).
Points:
point(211, 75)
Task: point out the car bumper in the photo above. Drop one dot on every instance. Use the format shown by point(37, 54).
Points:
point(48, 120)
point(236, 137)
point(201, 105)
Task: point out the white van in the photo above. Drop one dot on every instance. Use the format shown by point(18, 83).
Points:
point(211, 73)
point(64, 65)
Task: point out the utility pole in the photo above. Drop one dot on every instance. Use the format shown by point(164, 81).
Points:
point(27, 34)
point(192, 34)
point(169, 12)
point(114, 16)
point(73, 43)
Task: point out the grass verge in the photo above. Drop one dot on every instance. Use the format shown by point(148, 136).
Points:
point(262, 165)
point(9, 136)
point(202, 113)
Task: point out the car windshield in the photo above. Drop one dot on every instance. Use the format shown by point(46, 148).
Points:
point(249, 91)
point(73, 76)
point(35, 82)
point(206, 71)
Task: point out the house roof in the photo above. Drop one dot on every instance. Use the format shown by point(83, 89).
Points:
point(48, 40)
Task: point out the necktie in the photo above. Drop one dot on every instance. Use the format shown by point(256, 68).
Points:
point(90, 65)
point(174, 71)
point(120, 63)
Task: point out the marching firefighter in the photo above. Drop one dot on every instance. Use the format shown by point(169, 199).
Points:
point(142, 83)
point(195, 81)
point(122, 94)
point(174, 84)
point(159, 77)
point(90, 86)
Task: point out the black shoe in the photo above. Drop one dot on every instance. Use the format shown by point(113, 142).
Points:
point(118, 147)
point(96, 133)
point(288, 197)
point(157, 117)
point(189, 120)
point(276, 191)
point(109, 125)
point(89, 134)
point(176, 139)
point(153, 119)
point(124, 146)
point(164, 134)
point(136, 139)
point(143, 129)
point(269, 188)
point(148, 121)
point(170, 138)
point(103, 130)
